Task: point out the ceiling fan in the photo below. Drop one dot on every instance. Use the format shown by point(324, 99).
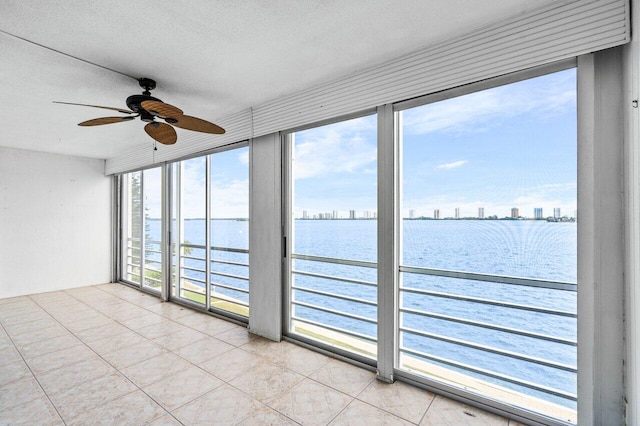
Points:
point(150, 109)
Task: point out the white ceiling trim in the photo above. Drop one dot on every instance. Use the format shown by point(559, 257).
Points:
point(551, 34)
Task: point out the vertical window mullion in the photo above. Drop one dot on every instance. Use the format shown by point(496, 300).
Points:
point(207, 228)
point(142, 236)
point(165, 239)
point(387, 263)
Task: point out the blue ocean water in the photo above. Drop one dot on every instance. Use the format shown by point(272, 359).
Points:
point(531, 249)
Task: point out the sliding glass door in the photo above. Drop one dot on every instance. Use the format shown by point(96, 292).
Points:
point(488, 245)
point(332, 253)
point(211, 231)
point(141, 236)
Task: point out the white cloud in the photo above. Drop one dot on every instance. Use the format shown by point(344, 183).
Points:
point(341, 147)
point(243, 158)
point(453, 165)
point(230, 199)
point(544, 96)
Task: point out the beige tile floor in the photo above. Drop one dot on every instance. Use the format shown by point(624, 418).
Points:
point(109, 354)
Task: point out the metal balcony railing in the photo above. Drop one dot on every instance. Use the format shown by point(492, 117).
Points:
point(320, 300)
point(228, 274)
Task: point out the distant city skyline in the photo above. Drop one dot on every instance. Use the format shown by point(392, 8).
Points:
point(513, 212)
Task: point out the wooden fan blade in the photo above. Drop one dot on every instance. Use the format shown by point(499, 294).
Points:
point(105, 120)
point(161, 109)
point(124, 111)
point(197, 125)
point(161, 132)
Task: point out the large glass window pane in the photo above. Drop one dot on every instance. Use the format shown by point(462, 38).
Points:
point(191, 181)
point(487, 297)
point(229, 230)
point(152, 190)
point(333, 296)
point(131, 189)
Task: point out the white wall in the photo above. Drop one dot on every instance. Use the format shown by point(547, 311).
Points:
point(55, 222)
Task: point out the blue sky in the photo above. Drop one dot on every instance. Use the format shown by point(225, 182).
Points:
point(510, 146)
point(229, 183)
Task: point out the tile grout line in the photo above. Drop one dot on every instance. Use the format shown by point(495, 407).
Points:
point(31, 371)
point(101, 357)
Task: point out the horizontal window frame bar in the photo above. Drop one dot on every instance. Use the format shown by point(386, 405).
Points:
point(500, 279)
point(228, 287)
point(189, 268)
point(504, 377)
point(216, 248)
point(228, 262)
point(489, 349)
point(489, 326)
point(334, 278)
point(334, 295)
point(334, 312)
point(227, 299)
point(488, 302)
point(222, 274)
point(349, 262)
point(183, 277)
point(336, 329)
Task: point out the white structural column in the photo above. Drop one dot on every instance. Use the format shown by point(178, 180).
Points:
point(265, 237)
point(632, 222)
point(387, 253)
point(600, 239)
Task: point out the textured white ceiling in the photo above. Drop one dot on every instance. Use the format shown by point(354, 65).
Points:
point(210, 58)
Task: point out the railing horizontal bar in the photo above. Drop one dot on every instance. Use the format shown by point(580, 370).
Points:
point(489, 349)
point(228, 262)
point(333, 311)
point(530, 282)
point(490, 326)
point(237, 277)
point(336, 329)
point(189, 268)
point(489, 302)
point(240, 290)
point(184, 277)
point(229, 249)
point(230, 300)
point(504, 377)
point(201, 259)
point(192, 291)
point(331, 277)
point(323, 259)
point(334, 295)
point(152, 241)
point(152, 279)
point(216, 248)
point(152, 251)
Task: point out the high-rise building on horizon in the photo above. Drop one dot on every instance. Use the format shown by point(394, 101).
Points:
point(457, 213)
point(352, 214)
point(436, 214)
point(556, 212)
point(335, 214)
point(305, 214)
point(537, 212)
point(412, 214)
point(515, 212)
point(480, 212)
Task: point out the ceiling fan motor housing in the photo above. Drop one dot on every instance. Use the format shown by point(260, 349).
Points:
point(134, 101)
